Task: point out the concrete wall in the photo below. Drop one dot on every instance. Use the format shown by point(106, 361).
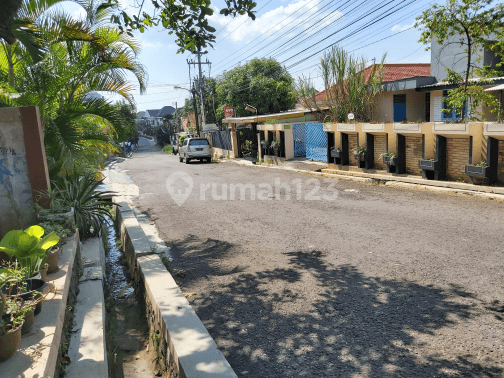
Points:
point(23, 167)
point(421, 143)
point(451, 55)
point(287, 129)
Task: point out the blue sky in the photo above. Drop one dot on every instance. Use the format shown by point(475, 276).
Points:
point(283, 29)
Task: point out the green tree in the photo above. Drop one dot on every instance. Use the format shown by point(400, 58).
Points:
point(262, 83)
point(349, 87)
point(127, 128)
point(186, 18)
point(475, 26)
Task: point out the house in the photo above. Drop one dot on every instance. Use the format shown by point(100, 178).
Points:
point(152, 118)
point(417, 92)
point(166, 112)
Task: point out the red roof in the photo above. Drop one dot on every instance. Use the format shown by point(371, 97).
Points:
point(398, 71)
point(393, 72)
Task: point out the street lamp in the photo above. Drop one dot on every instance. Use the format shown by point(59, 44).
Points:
point(193, 91)
point(250, 108)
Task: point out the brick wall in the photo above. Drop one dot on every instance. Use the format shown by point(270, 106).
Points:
point(380, 149)
point(457, 157)
point(500, 164)
point(413, 154)
point(352, 143)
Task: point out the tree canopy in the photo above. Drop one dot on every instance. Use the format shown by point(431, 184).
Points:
point(188, 19)
point(263, 83)
point(476, 26)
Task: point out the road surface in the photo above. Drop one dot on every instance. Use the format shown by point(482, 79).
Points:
point(368, 281)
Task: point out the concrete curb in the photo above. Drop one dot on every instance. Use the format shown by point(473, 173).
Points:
point(446, 187)
point(185, 344)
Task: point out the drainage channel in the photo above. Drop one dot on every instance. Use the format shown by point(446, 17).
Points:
point(126, 327)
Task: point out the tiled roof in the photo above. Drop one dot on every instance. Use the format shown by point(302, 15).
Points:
point(398, 71)
point(393, 72)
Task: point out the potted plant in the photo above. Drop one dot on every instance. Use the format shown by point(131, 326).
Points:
point(428, 165)
point(10, 331)
point(336, 152)
point(478, 170)
point(29, 249)
point(390, 158)
point(359, 153)
point(275, 145)
point(16, 315)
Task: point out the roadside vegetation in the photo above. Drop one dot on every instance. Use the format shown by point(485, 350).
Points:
point(349, 87)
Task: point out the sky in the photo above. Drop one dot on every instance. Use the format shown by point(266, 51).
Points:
point(294, 32)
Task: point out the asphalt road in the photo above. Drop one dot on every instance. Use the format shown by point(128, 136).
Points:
point(378, 282)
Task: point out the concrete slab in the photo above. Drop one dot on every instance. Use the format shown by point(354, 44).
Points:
point(87, 351)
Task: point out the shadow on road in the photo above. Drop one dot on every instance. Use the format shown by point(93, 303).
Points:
point(352, 326)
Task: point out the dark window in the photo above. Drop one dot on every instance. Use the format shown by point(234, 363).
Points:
point(427, 107)
point(400, 99)
point(200, 142)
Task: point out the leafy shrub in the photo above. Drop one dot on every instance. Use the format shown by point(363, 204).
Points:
point(90, 209)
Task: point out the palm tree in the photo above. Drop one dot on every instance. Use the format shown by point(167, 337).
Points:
point(81, 56)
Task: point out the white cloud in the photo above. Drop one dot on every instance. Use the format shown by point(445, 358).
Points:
point(399, 28)
point(276, 19)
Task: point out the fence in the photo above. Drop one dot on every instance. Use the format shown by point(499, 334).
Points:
point(222, 139)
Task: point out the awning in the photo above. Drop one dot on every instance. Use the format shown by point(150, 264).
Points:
point(496, 88)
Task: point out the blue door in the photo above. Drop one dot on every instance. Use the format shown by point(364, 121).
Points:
point(316, 142)
point(299, 139)
point(399, 107)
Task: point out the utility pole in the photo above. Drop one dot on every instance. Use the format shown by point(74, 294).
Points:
point(196, 111)
point(200, 82)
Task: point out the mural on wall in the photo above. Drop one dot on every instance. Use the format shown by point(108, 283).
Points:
point(16, 201)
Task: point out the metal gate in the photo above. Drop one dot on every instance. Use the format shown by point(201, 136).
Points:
point(299, 139)
point(316, 142)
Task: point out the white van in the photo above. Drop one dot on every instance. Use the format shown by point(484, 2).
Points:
point(195, 148)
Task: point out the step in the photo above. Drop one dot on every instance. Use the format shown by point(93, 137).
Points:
point(87, 351)
point(412, 179)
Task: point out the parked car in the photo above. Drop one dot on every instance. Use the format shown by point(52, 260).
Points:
point(195, 148)
point(176, 140)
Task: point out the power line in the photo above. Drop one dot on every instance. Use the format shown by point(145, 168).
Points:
point(275, 25)
point(332, 44)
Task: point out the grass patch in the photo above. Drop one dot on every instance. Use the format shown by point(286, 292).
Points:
point(215, 160)
point(166, 262)
point(168, 149)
